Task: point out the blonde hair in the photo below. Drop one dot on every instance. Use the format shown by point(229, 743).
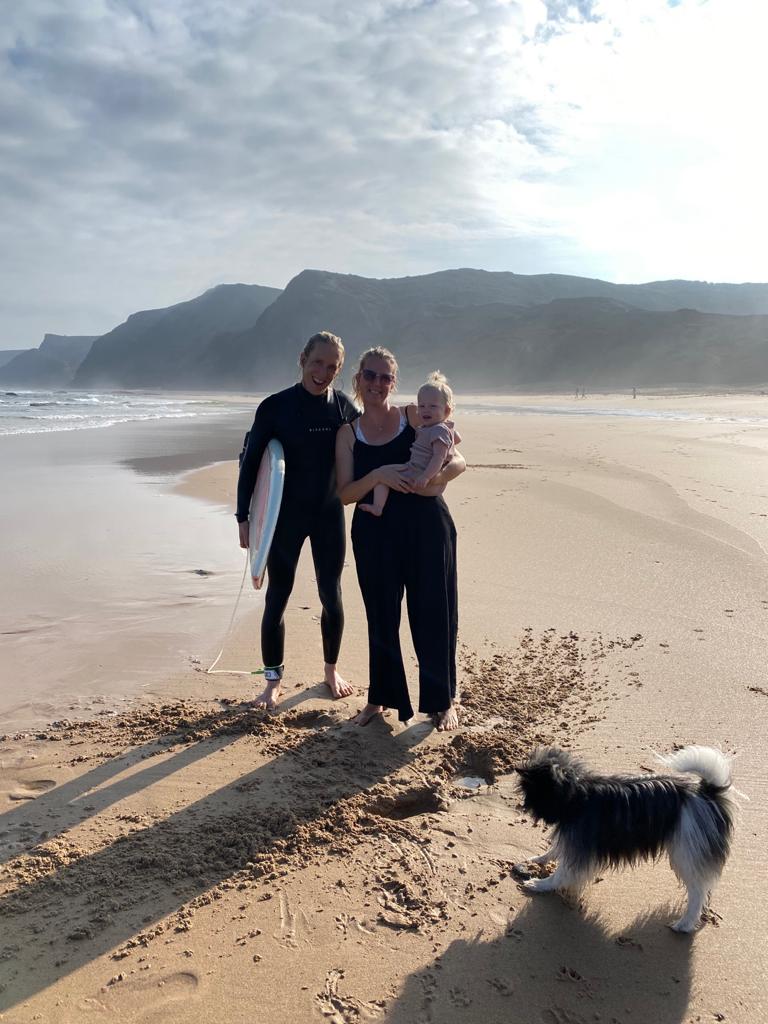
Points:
point(317, 339)
point(379, 352)
point(439, 382)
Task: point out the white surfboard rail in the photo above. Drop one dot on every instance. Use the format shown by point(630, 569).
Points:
point(265, 508)
point(262, 519)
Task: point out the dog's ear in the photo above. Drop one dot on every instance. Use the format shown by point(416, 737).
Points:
point(563, 778)
point(557, 772)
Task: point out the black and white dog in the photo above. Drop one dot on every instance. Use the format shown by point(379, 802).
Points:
point(605, 821)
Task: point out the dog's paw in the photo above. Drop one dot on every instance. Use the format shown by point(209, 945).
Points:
point(534, 868)
point(533, 885)
point(683, 927)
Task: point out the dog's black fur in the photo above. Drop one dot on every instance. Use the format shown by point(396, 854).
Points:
point(603, 821)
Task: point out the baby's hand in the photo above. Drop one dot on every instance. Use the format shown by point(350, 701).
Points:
point(420, 482)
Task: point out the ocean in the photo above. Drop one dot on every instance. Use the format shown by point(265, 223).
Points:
point(583, 408)
point(34, 412)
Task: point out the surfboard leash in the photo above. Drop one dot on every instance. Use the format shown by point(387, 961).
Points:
point(213, 671)
point(275, 457)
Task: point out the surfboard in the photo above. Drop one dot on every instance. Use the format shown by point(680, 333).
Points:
point(265, 508)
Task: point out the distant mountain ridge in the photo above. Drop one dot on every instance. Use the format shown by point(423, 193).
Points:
point(598, 342)
point(7, 354)
point(502, 319)
point(489, 330)
point(160, 348)
point(52, 365)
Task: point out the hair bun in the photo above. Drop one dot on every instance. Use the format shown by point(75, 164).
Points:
point(439, 382)
point(436, 377)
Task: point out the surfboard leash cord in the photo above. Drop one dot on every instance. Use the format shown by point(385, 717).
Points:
point(213, 671)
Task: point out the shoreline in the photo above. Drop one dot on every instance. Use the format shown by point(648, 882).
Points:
point(194, 468)
point(121, 582)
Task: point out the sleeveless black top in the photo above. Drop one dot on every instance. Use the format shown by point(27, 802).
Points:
point(368, 457)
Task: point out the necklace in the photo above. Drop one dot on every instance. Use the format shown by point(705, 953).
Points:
point(379, 427)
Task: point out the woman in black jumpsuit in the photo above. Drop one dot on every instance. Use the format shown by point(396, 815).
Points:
point(305, 419)
point(410, 548)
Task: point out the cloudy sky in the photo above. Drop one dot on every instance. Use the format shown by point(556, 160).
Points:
point(150, 149)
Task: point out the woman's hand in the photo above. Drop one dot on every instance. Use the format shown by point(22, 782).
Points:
point(350, 490)
point(244, 529)
point(395, 477)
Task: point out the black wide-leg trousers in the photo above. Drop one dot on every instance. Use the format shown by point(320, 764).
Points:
point(410, 551)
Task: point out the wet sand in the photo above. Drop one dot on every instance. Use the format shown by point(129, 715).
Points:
point(110, 580)
point(193, 859)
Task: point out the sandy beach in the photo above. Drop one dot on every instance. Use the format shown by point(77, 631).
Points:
point(186, 858)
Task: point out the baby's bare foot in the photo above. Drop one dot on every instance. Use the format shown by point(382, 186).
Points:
point(373, 509)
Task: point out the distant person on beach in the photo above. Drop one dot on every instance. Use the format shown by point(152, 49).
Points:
point(305, 419)
point(436, 440)
point(410, 548)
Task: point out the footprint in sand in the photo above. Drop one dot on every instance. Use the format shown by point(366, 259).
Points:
point(334, 1006)
point(295, 927)
point(557, 1015)
point(503, 987)
point(146, 1000)
point(459, 996)
point(30, 790)
point(312, 719)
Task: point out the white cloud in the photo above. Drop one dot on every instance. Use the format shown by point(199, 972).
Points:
point(148, 150)
point(666, 151)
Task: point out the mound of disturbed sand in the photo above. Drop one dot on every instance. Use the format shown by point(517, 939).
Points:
point(324, 788)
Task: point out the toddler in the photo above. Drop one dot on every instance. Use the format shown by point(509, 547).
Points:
point(435, 441)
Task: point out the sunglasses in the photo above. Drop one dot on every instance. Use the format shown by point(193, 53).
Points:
point(385, 378)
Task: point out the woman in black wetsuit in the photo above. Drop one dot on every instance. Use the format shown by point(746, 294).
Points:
point(305, 419)
point(411, 548)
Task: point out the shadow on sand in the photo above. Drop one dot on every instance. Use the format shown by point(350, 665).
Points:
point(554, 965)
point(54, 812)
point(68, 905)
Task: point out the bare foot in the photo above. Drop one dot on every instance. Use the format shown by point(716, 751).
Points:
point(448, 720)
point(339, 687)
point(369, 712)
point(373, 509)
point(269, 696)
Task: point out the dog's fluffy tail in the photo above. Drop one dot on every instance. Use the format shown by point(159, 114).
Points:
point(712, 766)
